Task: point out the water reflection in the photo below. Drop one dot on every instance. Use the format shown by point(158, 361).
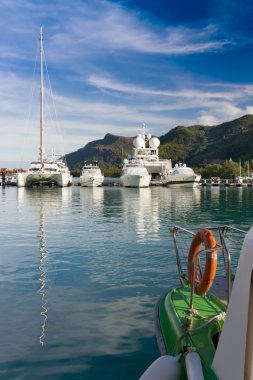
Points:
point(43, 270)
point(92, 199)
point(147, 220)
point(141, 209)
point(86, 265)
point(178, 199)
point(177, 205)
point(121, 323)
point(45, 201)
point(52, 197)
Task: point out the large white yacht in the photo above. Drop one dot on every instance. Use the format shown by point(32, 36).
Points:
point(146, 149)
point(135, 174)
point(45, 171)
point(91, 175)
point(161, 170)
point(183, 176)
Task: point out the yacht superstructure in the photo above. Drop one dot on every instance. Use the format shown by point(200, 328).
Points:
point(146, 149)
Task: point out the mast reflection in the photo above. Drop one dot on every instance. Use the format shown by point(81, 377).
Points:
point(42, 203)
point(43, 271)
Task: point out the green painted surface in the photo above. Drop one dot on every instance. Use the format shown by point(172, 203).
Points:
point(180, 328)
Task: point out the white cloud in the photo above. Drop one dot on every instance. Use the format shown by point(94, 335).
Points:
point(206, 119)
point(112, 69)
point(84, 28)
point(207, 93)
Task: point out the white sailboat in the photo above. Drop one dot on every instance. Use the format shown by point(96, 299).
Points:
point(45, 171)
point(91, 175)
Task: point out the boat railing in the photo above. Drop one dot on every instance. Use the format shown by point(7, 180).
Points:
point(229, 241)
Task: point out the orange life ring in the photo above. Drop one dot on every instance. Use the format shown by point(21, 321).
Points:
point(203, 236)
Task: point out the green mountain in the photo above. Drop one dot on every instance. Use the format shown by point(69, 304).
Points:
point(204, 144)
point(197, 145)
point(109, 151)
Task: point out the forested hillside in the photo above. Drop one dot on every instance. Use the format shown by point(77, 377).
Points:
point(197, 145)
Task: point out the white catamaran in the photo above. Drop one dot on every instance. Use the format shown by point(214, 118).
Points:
point(45, 171)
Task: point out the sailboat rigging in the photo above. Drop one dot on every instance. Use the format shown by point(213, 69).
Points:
point(44, 172)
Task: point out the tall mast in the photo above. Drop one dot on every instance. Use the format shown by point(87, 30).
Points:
point(41, 100)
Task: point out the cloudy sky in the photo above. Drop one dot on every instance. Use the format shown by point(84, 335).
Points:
point(114, 65)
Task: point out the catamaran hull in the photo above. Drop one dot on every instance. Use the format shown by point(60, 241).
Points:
point(43, 179)
point(135, 180)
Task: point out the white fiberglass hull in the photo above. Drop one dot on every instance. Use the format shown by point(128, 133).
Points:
point(182, 181)
point(43, 179)
point(135, 180)
point(91, 181)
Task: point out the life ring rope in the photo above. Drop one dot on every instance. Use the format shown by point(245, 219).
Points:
point(203, 236)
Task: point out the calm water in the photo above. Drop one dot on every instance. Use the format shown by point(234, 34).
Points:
point(82, 268)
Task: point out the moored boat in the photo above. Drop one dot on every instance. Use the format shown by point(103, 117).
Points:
point(204, 330)
point(46, 171)
point(215, 181)
point(145, 148)
point(183, 176)
point(10, 180)
point(135, 174)
point(91, 175)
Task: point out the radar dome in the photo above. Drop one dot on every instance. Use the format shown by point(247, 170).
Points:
point(139, 142)
point(154, 143)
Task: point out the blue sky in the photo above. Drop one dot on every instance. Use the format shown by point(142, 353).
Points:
point(114, 65)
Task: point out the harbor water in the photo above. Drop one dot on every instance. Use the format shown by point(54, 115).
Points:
point(82, 268)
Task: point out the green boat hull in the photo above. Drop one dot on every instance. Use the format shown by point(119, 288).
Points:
point(180, 328)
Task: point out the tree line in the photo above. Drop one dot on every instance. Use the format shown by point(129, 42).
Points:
point(228, 170)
